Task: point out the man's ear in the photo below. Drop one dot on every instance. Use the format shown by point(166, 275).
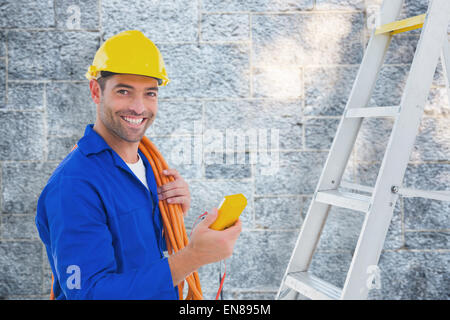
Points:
point(94, 86)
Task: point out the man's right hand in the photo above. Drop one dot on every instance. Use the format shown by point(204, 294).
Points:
point(206, 246)
point(210, 245)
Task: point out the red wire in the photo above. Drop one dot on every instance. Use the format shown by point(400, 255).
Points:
point(225, 266)
point(221, 281)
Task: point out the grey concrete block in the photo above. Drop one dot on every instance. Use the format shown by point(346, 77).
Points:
point(18, 227)
point(395, 234)
point(366, 173)
point(341, 230)
point(373, 138)
point(413, 8)
point(340, 5)
point(27, 14)
point(176, 118)
point(426, 214)
point(328, 89)
point(256, 119)
point(431, 240)
point(206, 195)
point(2, 43)
point(225, 27)
point(179, 154)
point(22, 183)
point(212, 70)
point(77, 14)
point(35, 55)
point(434, 176)
point(433, 140)
point(160, 21)
point(413, 275)
point(64, 101)
point(22, 135)
point(20, 268)
point(47, 280)
point(293, 173)
point(284, 82)
point(2, 83)
point(319, 133)
point(389, 86)
point(250, 269)
point(60, 147)
point(402, 49)
point(437, 103)
point(439, 78)
point(256, 5)
point(25, 96)
point(231, 168)
point(331, 267)
point(279, 213)
point(299, 39)
point(209, 277)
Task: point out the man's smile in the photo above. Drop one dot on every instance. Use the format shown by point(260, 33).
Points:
point(134, 122)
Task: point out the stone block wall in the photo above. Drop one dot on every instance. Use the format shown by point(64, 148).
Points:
point(258, 88)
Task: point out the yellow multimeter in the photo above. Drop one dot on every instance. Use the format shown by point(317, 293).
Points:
point(229, 211)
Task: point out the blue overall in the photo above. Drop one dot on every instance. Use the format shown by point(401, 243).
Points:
point(102, 227)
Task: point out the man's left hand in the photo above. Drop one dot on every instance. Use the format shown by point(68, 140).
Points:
point(176, 191)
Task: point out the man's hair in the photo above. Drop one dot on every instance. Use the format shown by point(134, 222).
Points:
point(104, 77)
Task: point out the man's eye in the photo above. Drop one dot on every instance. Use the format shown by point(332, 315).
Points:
point(152, 94)
point(122, 91)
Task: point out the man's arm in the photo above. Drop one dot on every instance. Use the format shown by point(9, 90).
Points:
point(80, 238)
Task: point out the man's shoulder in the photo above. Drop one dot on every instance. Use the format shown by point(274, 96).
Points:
point(77, 166)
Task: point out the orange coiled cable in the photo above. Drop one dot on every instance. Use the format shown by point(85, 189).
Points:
point(172, 216)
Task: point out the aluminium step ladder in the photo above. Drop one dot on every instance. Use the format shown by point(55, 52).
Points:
point(379, 206)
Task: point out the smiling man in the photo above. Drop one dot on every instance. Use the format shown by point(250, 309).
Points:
point(98, 215)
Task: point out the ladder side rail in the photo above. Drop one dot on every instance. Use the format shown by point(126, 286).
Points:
point(445, 60)
point(343, 143)
point(401, 142)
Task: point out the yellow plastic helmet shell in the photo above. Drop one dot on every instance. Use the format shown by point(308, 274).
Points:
point(129, 52)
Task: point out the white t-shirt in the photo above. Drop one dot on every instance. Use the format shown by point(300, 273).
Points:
point(138, 169)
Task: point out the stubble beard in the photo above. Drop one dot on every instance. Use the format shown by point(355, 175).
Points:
point(114, 124)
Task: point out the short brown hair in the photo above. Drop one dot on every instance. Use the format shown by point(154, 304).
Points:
point(103, 77)
point(105, 74)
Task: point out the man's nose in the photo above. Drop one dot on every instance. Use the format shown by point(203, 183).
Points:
point(138, 105)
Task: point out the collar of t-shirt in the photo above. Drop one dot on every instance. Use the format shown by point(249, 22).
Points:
point(138, 169)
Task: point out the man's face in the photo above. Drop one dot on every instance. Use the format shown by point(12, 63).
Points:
point(128, 105)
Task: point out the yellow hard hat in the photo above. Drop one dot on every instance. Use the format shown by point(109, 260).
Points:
point(129, 52)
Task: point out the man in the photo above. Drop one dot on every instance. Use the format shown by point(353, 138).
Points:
point(98, 215)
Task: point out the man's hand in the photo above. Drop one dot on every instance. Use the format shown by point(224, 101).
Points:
point(212, 245)
point(206, 246)
point(176, 191)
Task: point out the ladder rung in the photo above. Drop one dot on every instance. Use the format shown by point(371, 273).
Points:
point(429, 194)
point(372, 112)
point(402, 25)
point(312, 287)
point(342, 199)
